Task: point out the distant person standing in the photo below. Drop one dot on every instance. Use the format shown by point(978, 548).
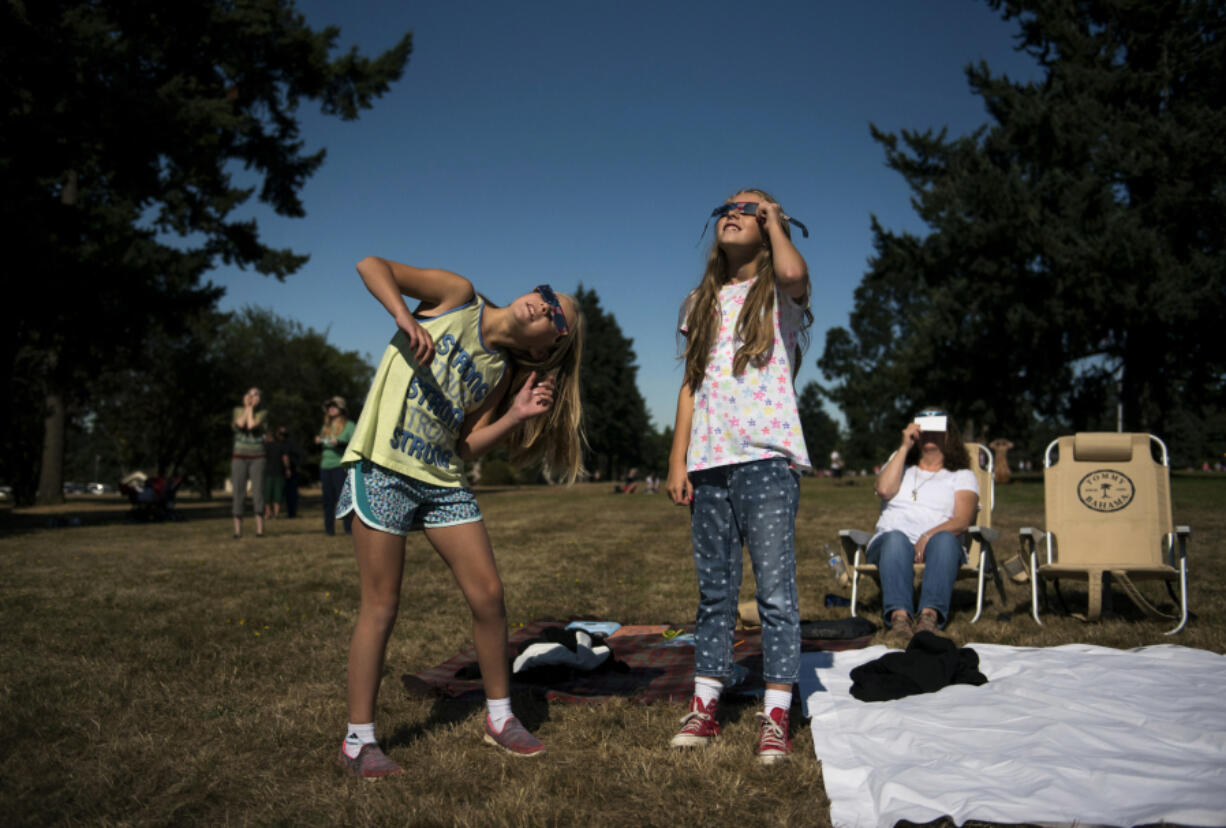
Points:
point(274, 474)
point(293, 459)
point(247, 460)
point(333, 439)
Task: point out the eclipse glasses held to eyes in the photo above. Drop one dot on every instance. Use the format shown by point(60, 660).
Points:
point(932, 420)
point(745, 208)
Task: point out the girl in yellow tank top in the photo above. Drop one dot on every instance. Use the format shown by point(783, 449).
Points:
point(460, 376)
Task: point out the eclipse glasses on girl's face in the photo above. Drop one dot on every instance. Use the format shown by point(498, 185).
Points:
point(555, 308)
point(745, 208)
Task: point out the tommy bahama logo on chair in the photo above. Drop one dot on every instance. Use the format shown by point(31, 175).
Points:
point(1106, 490)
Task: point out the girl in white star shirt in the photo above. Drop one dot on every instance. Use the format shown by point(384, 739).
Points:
point(737, 448)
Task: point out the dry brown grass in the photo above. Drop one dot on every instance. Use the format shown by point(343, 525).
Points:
point(166, 673)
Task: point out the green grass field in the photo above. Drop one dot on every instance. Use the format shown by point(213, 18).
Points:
point(167, 673)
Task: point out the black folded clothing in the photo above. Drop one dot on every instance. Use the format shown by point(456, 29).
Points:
point(929, 663)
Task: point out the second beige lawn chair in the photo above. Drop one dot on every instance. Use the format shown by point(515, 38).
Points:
point(979, 561)
point(1108, 510)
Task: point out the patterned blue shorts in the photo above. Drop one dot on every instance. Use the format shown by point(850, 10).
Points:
point(397, 504)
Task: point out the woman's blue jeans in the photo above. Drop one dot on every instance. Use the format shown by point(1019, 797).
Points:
point(894, 556)
point(754, 505)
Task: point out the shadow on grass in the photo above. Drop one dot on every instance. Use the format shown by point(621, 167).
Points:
point(83, 511)
point(531, 708)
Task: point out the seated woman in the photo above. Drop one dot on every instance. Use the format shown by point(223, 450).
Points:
point(928, 499)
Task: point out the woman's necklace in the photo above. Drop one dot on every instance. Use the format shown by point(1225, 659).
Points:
point(916, 486)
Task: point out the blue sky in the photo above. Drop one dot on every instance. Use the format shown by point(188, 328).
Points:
point(584, 142)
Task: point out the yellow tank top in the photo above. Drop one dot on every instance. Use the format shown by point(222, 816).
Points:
point(413, 415)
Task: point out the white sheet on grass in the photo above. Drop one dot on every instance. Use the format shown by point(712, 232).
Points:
point(1067, 734)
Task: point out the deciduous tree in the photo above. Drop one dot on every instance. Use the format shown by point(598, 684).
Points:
point(131, 124)
point(169, 411)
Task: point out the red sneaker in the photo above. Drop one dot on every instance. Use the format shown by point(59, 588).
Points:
point(514, 739)
point(773, 740)
point(371, 763)
point(698, 727)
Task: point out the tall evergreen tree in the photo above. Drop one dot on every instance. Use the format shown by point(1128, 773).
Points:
point(820, 429)
point(124, 121)
point(1075, 256)
point(614, 412)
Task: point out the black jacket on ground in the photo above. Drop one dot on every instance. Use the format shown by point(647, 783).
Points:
point(929, 663)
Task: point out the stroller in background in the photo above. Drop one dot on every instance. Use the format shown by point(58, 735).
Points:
point(152, 498)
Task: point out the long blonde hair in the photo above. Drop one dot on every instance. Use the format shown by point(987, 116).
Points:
point(555, 439)
point(333, 426)
point(755, 326)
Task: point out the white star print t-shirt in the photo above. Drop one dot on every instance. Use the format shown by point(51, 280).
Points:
point(753, 416)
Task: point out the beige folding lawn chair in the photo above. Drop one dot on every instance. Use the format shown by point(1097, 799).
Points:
point(1108, 513)
point(979, 561)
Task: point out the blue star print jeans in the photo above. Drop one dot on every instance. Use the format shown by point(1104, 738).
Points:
point(754, 505)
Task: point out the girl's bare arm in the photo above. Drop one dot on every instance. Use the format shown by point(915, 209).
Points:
point(436, 290)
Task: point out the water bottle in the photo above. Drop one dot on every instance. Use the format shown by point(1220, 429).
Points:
point(838, 566)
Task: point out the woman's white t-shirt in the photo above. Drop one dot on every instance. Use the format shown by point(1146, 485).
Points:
point(924, 500)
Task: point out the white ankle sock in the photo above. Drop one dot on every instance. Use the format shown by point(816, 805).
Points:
point(778, 698)
point(356, 736)
point(499, 711)
point(707, 689)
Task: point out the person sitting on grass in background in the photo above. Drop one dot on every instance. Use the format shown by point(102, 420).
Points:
point(736, 439)
point(631, 484)
point(460, 376)
point(929, 497)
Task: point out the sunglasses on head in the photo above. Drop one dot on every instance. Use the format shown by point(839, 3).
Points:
point(555, 308)
point(745, 208)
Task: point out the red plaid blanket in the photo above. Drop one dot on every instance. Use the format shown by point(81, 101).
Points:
point(643, 667)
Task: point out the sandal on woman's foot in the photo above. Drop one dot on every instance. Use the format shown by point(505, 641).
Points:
point(900, 632)
point(927, 622)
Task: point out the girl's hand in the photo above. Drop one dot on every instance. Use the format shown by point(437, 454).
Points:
point(679, 487)
point(920, 546)
point(910, 436)
point(769, 215)
point(420, 343)
point(534, 399)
